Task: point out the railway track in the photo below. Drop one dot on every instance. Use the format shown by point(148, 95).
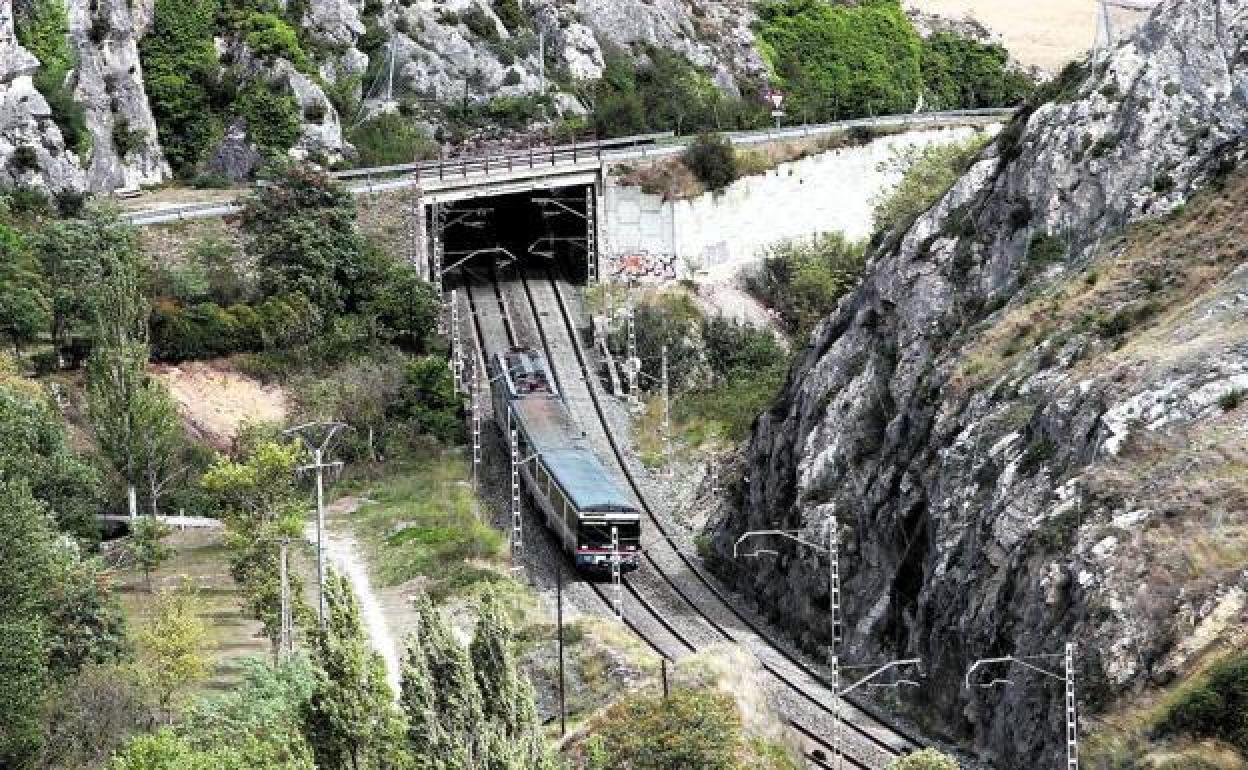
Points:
point(680, 625)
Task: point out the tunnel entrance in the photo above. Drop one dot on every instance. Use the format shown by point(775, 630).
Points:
point(553, 227)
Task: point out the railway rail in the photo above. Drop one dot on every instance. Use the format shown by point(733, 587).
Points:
point(683, 624)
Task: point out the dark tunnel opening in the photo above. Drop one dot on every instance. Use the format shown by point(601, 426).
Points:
point(530, 229)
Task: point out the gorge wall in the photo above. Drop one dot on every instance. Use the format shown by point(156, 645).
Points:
point(1021, 417)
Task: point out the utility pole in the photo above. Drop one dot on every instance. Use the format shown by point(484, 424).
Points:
point(563, 710)
point(457, 350)
point(476, 429)
point(517, 522)
point(541, 60)
point(633, 363)
point(435, 255)
point(591, 237)
point(714, 471)
point(1066, 677)
point(286, 640)
point(667, 413)
point(390, 75)
point(318, 464)
point(831, 548)
point(616, 581)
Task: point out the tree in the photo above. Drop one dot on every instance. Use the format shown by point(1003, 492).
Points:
point(428, 399)
point(85, 622)
point(302, 230)
point(148, 548)
point(494, 665)
point(456, 698)
point(173, 646)
point(24, 307)
point(34, 447)
point(27, 556)
point(257, 499)
point(925, 759)
point(426, 741)
point(350, 720)
point(406, 308)
point(132, 413)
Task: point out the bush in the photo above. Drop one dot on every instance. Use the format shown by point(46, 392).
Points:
point(802, 282)
point(961, 73)
point(835, 61)
point(211, 182)
point(479, 23)
point(390, 139)
point(1215, 708)
point(427, 398)
point(713, 160)
point(273, 120)
point(24, 158)
point(126, 139)
point(270, 37)
point(180, 70)
point(927, 174)
point(511, 15)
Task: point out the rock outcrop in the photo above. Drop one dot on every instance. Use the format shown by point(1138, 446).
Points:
point(1006, 415)
point(32, 151)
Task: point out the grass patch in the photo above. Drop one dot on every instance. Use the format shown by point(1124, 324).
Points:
point(422, 522)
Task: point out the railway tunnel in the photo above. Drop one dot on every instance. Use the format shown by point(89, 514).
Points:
point(553, 227)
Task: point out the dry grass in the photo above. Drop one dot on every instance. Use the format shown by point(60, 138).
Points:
point(1147, 281)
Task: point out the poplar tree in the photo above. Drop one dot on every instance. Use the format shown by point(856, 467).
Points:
point(351, 721)
point(424, 732)
point(132, 413)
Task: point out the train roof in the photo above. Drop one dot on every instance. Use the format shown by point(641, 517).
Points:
point(548, 424)
point(527, 372)
point(585, 481)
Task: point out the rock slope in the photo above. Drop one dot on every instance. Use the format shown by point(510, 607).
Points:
point(1029, 403)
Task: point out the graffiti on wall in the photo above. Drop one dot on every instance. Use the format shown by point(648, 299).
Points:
point(642, 266)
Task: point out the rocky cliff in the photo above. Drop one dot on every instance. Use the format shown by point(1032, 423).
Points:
point(1027, 418)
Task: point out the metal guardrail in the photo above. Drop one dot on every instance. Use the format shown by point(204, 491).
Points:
point(534, 158)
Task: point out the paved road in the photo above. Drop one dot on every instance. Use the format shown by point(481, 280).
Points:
point(563, 159)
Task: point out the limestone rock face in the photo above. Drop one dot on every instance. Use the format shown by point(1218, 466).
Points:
point(987, 505)
point(110, 87)
point(32, 151)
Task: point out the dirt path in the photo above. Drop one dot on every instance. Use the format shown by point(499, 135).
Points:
point(343, 554)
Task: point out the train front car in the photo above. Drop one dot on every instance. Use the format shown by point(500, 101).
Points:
point(580, 501)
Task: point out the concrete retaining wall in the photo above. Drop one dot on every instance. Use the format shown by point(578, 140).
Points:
point(721, 232)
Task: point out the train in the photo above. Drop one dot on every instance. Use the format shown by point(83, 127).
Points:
point(580, 502)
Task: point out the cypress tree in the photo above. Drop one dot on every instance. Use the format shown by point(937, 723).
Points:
point(456, 699)
point(351, 721)
point(426, 740)
point(494, 666)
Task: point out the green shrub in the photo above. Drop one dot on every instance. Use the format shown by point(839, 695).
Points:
point(512, 78)
point(479, 23)
point(270, 37)
point(961, 73)
point(835, 61)
point(1230, 400)
point(713, 160)
point(43, 29)
point(125, 138)
point(1217, 707)
point(390, 139)
point(211, 182)
point(1163, 182)
point(272, 118)
point(927, 174)
point(427, 398)
point(180, 70)
point(511, 15)
point(802, 281)
point(1046, 248)
point(24, 158)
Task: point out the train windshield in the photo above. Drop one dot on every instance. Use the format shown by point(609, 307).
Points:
point(597, 534)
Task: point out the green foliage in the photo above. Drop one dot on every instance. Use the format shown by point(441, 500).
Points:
point(350, 719)
point(924, 759)
point(748, 366)
point(147, 546)
point(125, 138)
point(494, 665)
point(712, 160)
point(180, 71)
point(428, 399)
point(836, 61)
point(691, 728)
point(34, 447)
point(25, 310)
point(173, 646)
point(273, 119)
point(205, 330)
point(670, 319)
point(44, 31)
point(258, 723)
point(270, 37)
point(390, 139)
point(1217, 707)
point(511, 15)
point(665, 93)
point(927, 174)
point(27, 557)
point(803, 281)
point(479, 23)
point(257, 498)
point(1231, 399)
point(961, 73)
point(301, 230)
